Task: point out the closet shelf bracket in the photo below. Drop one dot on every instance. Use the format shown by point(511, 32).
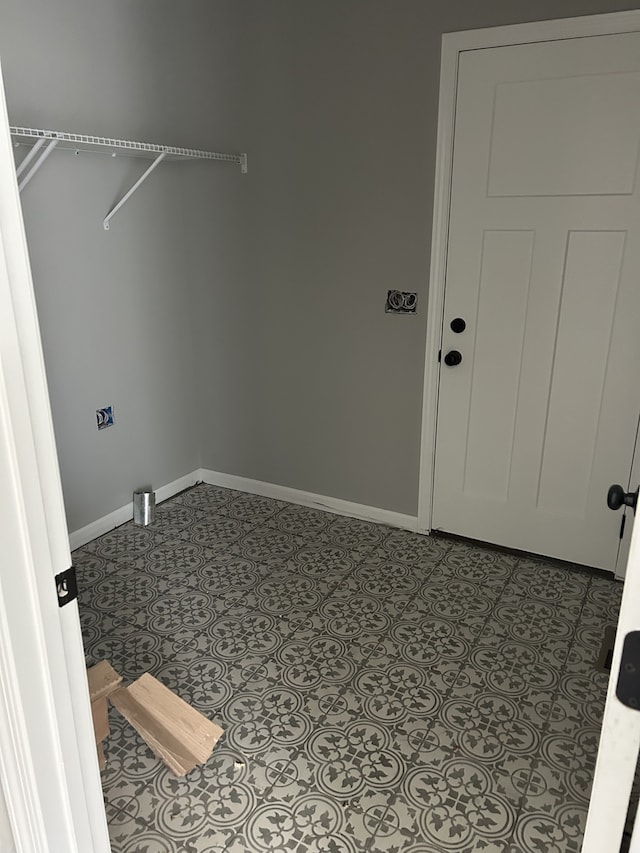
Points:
point(39, 160)
point(42, 142)
point(128, 194)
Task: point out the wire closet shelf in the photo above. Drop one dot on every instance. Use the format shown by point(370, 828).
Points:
point(42, 143)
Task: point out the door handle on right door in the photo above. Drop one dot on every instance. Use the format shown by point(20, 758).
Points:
point(617, 497)
point(453, 358)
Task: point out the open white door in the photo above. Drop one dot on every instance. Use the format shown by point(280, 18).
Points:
point(620, 738)
point(48, 765)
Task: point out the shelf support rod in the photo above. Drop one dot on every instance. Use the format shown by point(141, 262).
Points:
point(128, 194)
point(31, 153)
point(43, 156)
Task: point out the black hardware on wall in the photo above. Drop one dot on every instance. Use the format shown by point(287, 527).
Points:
point(628, 687)
point(66, 586)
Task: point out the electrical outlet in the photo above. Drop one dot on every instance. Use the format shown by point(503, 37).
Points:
point(104, 417)
point(401, 302)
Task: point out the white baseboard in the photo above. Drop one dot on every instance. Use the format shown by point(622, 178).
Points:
point(125, 513)
point(253, 487)
point(295, 496)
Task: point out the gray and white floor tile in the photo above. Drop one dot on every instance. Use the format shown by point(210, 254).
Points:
point(380, 691)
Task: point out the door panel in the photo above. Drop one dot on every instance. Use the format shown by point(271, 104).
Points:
point(547, 141)
point(540, 417)
point(585, 324)
point(495, 377)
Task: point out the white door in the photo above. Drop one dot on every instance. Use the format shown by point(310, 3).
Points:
point(48, 765)
point(540, 416)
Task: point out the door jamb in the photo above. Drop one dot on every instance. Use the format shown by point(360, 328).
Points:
point(16, 769)
point(625, 540)
point(453, 44)
point(52, 661)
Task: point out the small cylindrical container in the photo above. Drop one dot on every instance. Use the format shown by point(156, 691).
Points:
point(144, 507)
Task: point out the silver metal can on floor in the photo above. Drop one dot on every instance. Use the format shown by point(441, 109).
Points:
point(144, 507)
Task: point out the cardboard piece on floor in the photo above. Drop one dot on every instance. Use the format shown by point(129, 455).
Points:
point(178, 734)
point(103, 680)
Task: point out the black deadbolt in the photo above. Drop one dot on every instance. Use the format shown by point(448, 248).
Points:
point(453, 358)
point(458, 325)
point(628, 686)
point(617, 497)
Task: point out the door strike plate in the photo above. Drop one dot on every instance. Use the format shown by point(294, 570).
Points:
point(628, 687)
point(66, 586)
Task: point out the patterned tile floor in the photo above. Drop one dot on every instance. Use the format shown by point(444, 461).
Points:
point(379, 691)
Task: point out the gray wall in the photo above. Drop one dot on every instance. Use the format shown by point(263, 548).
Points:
point(338, 112)
point(238, 322)
point(116, 309)
point(116, 325)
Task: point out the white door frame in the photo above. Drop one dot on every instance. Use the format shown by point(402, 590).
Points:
point(48, 762)
point(452, 45)
point(620, 733)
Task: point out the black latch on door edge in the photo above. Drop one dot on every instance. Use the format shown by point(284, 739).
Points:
point(628, 687)
point(66, 586)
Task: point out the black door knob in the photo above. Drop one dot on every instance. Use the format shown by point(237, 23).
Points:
point(458, 325)
point(617, 497)
point(453, 358)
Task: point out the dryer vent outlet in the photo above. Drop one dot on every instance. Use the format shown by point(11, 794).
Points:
point(401, 302)
point(104, 417)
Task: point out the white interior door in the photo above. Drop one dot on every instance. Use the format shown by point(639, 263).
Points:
point(540, 416)
point(48, 764)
